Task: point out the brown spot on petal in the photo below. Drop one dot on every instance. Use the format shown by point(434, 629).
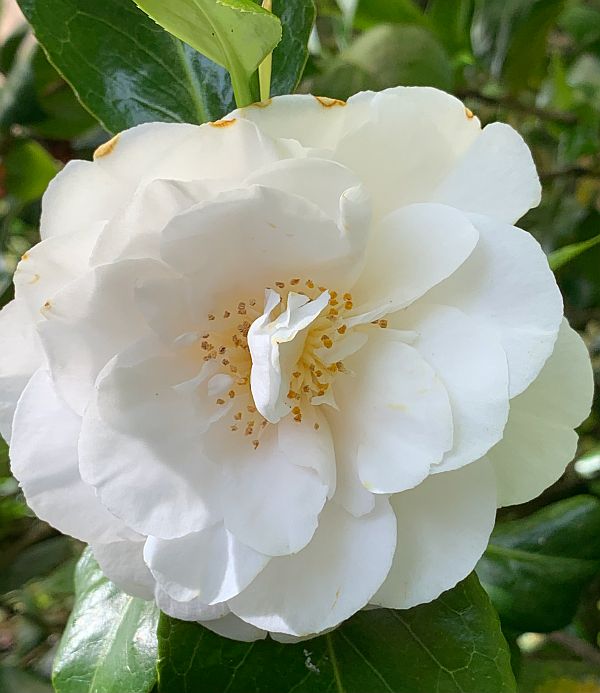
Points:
point(262, 104)
point(326, 102)
point(469, 113)
point(223, 123)
point(25, 256)
point(106, 148)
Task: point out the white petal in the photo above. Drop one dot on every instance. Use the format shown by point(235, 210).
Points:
point(310, 444)
point(140, 433)
point(394, 414)
point(230, 626)
point(85, 192)
point(411, 139)
point(193, 610)
point(539, 440)
point(443, 529)
point(52, 264)
point(211, 565)
point(270, 503)
point(275, 347)
point(20, 356)
point(329, 580)
point(44, 460)
point(123, 563)
point(258, 236)
point(470, 362)
point(314, 122)
point(496, 176)
point(89, 321)
point(414, 249)
point(507, 283)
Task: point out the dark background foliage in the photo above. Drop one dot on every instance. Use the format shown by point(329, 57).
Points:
point(532, 63)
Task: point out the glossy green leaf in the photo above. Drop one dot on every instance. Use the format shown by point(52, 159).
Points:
point(236, 34)
point(289, 57)
point(109, 644)
point(562, 256)
point(29, 168)
point(452, 644)
point(535, 568)
point(124, 68)
point(387, 56)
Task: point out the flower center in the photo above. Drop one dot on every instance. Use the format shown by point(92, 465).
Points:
point(281, 361)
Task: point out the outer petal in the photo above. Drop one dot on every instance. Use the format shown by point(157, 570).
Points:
point(139, 433)
point(315, 122)
point(83, 330)
point(123, 563)
point(329, 580)
point(539, 439)
point(414, 249)
point(87, 192)
point(230, 626)
point(507, 283)
point(410, 141)
point(20, 355)
point(194, 610)
point(44, 459)
point(470, 362)
point(496, 176)
point(211, 565)
point(443, 529)
point(395, 415)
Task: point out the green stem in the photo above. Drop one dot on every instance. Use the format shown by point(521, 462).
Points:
point(241, 87)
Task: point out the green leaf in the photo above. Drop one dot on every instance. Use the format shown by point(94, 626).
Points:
point(386, 56)
point(124, 68)
point(451, 644)
point(560, 257)
point(370, 12)
point(29, 168)
point(236, 34)
point(451, 21)
point(535, 568)
point(109, 644)
point(290, 56)
point(32, 562)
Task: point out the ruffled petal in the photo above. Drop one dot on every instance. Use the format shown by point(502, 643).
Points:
point(507, 284)
point(395, 418)
point(470, 362)
point(443, 529)
point(123, 563)
point(326, 582)
point(44, 460)
point(539, 440)
point(496, 176)
point(413, 250)
point(140, 433)
point(211, 565)
point(20, 356)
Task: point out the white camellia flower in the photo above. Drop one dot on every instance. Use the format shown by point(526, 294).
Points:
point(286, 365)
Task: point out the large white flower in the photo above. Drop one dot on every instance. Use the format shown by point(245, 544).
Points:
point(285, 365)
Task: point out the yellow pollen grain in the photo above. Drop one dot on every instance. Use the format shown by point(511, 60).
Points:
point(342, 329)
point(226, 314)
point(220, 401)
point(348, 305)
point(469, 113)
point(233, 428)
point(251, 408)
point(241, 309)
point(296, 374)
point(310, 284)
point(211, 316)
point(316, 426)
point(106, 148)
point(280, 285)
point(327, 341)
point(295, 281)
point(231, 394)
point(255, 444)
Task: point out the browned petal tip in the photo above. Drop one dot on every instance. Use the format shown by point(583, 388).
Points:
point(326, 102)
point(223, 123)
point(106, 148)
point(469, 113)
point(25, 256)
point(262, 104)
